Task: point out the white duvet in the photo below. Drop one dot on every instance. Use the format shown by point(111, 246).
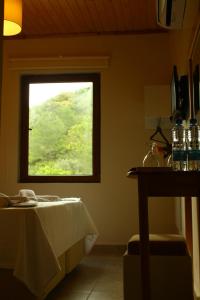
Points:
point(31, 239)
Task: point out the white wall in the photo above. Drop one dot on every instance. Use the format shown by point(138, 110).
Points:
point(135, 62)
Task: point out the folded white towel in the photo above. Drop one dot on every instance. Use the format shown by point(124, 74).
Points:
point(6, 200)
point(27, 193)
point(17, 199)
point(29, 203)
point(28, 197)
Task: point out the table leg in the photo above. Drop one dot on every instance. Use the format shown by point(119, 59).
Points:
point(188, 223)
point(144, 242)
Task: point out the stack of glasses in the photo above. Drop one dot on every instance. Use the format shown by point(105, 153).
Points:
point(186, 146)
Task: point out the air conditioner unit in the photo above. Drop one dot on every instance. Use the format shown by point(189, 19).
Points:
point(170, 13)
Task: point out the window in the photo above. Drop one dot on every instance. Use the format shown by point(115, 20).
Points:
point(60, 128)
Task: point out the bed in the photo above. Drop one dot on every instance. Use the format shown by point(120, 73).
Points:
point(39, 245)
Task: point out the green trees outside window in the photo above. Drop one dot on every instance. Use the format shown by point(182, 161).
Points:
point(60, 128)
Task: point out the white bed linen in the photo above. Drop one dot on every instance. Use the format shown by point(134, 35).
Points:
point(31, 239)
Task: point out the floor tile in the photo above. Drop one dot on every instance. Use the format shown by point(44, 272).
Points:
point(104, 296)
point(97, 277)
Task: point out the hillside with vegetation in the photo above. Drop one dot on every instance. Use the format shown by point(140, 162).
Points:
point(60, 142)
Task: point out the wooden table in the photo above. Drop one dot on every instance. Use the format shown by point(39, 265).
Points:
point(158, 182)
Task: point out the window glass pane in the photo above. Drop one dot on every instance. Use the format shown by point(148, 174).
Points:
point(60, 129)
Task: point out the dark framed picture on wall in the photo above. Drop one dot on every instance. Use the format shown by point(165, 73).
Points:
point(196, 90)
point(175, 104)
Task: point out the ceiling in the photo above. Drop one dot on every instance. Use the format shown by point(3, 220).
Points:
point(77, 17)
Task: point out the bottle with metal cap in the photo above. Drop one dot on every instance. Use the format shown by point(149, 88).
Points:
point(193, 142)
point(179, 146)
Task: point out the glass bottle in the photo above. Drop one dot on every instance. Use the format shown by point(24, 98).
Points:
point(151, 159)
point(169, 161)
point(179, 146)
point(193, 141)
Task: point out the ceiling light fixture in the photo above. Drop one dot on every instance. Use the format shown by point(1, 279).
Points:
point(12, 17)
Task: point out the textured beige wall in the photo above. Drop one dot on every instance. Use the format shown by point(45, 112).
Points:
point(182, 49)
point(135, 62)
point(182, 40)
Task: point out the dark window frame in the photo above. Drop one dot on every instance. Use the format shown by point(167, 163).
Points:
point(24, 127)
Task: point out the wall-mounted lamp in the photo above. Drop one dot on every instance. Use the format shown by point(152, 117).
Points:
point(12, 17)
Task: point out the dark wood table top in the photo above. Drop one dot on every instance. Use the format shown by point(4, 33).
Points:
point(166, 182)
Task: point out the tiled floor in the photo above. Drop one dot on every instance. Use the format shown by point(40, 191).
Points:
point(98, 277)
